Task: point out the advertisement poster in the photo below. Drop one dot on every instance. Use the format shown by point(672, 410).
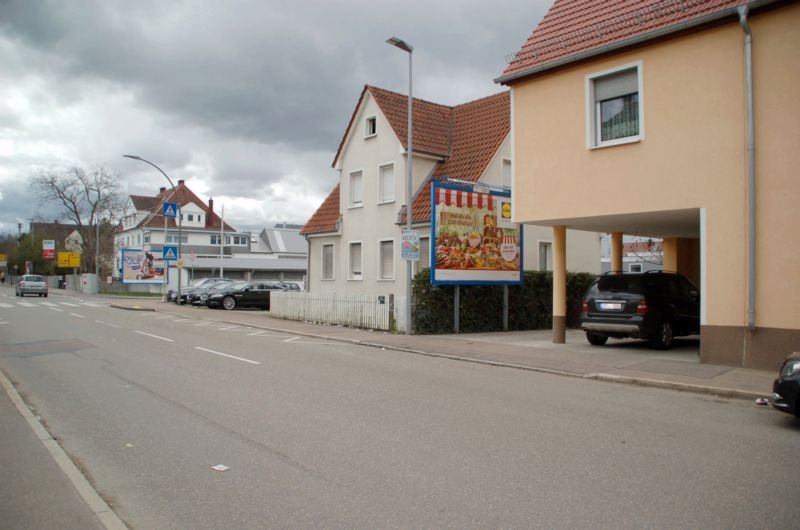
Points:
point(409, 247)
point(473, 244)
point(48, 249)
point(140, 266)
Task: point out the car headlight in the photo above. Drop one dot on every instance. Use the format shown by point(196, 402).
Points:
point(791, 368)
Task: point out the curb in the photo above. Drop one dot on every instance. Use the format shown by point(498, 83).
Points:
point(134, 308)
point(90, 496)
point(608, 378)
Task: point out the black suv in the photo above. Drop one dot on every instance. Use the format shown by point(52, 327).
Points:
point(653, 305)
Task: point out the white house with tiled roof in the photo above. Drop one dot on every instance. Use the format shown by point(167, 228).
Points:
point(354, 236)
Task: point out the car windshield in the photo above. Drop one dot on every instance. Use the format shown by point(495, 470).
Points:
point(618, 283)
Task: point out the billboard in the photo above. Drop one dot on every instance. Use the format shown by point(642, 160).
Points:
point(141, 266)
point(474, 244)
point(48, 249)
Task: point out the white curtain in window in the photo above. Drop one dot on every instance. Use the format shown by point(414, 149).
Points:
point(327, 262)
point(386, 179)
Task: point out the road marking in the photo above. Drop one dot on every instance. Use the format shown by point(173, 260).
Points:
point(107, 324)
point(49, 304)
point(26, 304)
point(69, 304)
point(168, 316)
point(154, 336)
point(77, 315)
point(3, 304)
point(203, 323)
point(91, 304)
point(263, 334)
point(292, 339)
point(228, 328)
point(56, 309)
point(184, 320)
point(227, 355)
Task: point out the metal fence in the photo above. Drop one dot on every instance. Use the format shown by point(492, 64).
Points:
point(361, 311)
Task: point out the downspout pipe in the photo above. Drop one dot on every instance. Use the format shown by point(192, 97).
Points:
point(751, 170)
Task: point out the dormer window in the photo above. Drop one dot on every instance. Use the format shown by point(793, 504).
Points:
point(371, 127)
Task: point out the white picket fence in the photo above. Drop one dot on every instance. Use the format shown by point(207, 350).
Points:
point(361, 311)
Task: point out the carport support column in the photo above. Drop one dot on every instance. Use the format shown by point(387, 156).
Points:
point(559, 284)
point(616, 251)
point(670, 254)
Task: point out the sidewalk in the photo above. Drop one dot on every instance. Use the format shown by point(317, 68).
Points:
point(629, 362)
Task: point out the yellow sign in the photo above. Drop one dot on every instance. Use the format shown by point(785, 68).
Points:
point(3, 257)
point(179, 264)
point(69, 259)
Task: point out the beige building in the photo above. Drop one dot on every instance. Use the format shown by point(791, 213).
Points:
point(635, 119)
point(354, 236)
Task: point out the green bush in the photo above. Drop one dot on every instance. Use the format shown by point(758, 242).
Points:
point(530, 305)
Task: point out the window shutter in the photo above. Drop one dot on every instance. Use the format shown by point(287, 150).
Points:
point(616, 85)
point(355, 259)
point(327, 262)
point(387, 183)
point(387, 259)
point(356, 188)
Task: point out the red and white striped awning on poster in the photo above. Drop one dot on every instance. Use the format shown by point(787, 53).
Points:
point(464, 198)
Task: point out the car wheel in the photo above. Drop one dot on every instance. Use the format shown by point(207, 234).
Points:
point(45, 295)
point(664, 336)
point(229, 302)
point(595, 339)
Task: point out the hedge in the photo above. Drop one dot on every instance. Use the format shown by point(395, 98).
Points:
point(481, 308)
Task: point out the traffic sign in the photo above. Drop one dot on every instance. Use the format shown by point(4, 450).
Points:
point(170, 209)
point(169, 252)
point(69, 259)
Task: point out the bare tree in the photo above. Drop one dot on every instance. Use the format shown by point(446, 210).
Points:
point(86, 198)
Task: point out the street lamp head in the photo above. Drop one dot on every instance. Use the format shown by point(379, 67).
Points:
point(400, 43)
point(132, 156)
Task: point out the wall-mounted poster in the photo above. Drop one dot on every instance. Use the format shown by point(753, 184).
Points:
point(141, 266)
point(473, 244)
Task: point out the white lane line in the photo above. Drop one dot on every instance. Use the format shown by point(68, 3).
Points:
point(77, 315)
point(168, 316)
point(228, 328)
point(226, 355)
point(68, 304)
point(26, 304)
point(203, 323)
point(91, 304)
point(49, 304)
point(56, 309)
point(154, 336)
point(291, 339)
point(3, 304)
point(107, 324)
point(184, 320)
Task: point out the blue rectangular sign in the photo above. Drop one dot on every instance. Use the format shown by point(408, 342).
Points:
point(169, 253)
point(171, 209)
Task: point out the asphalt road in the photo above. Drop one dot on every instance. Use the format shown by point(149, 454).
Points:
point(332, 435)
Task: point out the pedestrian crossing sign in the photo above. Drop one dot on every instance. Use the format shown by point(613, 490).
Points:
point(169, 253)
point(170, 209)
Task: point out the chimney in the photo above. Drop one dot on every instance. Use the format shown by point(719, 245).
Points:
point(180, 182)
point(162, 189)
point(210, 211)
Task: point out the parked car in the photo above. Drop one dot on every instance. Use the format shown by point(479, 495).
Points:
point(786, 388)
point(31, 284)
point(654, 305)
point(193, 297)
point(244, 294)
point(291, 286)
point(197, 284)
point(201, 296)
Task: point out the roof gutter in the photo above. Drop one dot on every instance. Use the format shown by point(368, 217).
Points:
point(639, 39)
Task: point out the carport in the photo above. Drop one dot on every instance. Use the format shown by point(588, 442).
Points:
point(681, 230)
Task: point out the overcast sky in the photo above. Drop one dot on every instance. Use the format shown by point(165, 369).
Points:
point(246, 100)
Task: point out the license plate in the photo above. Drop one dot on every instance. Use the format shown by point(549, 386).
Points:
point(610, 306)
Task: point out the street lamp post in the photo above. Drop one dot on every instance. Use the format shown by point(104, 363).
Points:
point(399, 43)
point(180, 219)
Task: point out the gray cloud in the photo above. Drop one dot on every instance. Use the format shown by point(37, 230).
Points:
point(241, 95)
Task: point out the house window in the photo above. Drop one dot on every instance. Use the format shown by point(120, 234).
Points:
point(190, 217)
point(174, 238)
point(614, 114)
point(199, 218)
point(634, 267)
point(356, 188)
point(386, 183)
point(214, 239)
point(147, 238)
point(424, 255)
point(545, 256)
point(355, 261)
point(386, 262)
point(371, 127)
point(327, 262)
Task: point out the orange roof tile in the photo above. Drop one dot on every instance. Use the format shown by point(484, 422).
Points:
point(431, 121)
point(575, 27)
point(182, 195)
point(479, 128)
point(326, 216)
